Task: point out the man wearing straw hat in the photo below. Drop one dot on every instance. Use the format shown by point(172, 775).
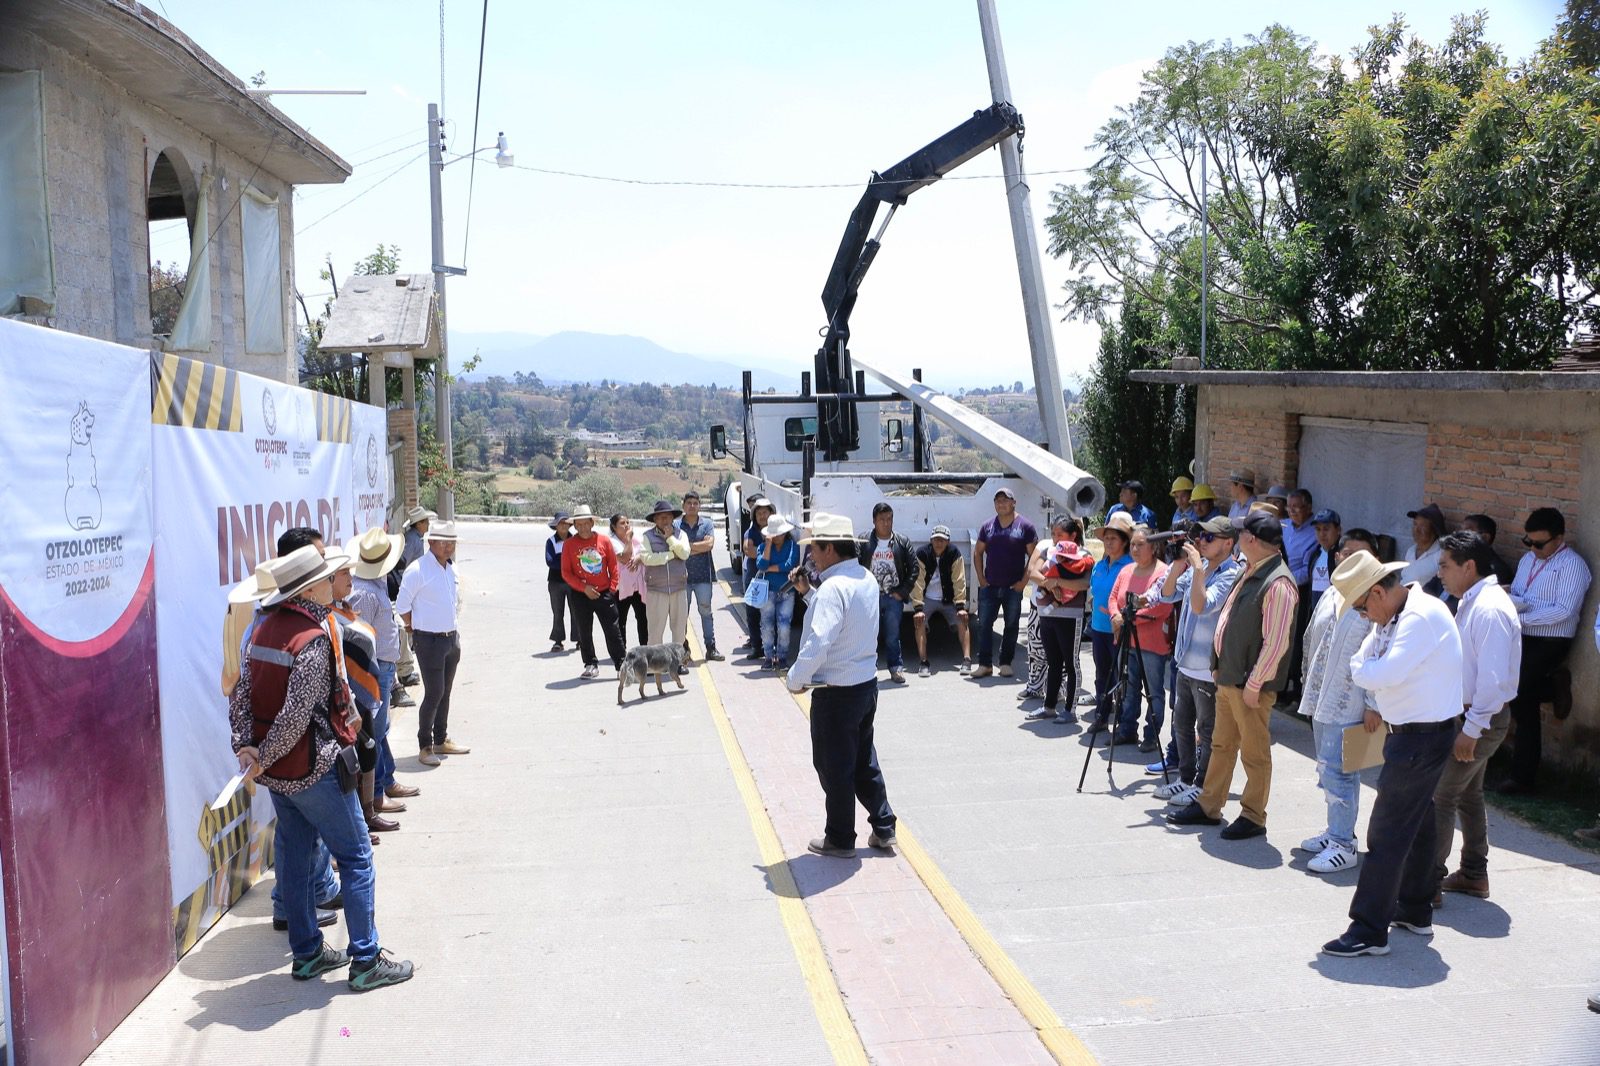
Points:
point(415, 529)
point(290, 717)
point(376, 554)
point(666, 575)
point(1411, 663)
point(839, 654)
point(428, 605)
point(589, 565)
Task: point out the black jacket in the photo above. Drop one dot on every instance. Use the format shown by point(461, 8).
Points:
point(904, 565)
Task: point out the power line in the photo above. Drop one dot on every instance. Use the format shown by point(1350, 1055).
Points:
point(360, 194)
point(777, 185)
point(477, 102)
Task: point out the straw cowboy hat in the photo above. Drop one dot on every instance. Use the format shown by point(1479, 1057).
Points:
point(664, 507)
point(442, 531)
point(419, 514)
point(1360, 572)
point(258, 586)
point(777, 526)
point(582, 513)
point(302, 568)
point(826, 526)
point(376, 553)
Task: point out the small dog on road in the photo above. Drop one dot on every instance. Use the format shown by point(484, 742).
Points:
point(647, 659)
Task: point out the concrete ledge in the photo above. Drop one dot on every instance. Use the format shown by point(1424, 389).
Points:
point(1428, 380)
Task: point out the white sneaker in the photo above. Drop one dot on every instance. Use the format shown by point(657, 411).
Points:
point(1316, 845)
point(1040, 713)
point(1184, 796)
point(1333, 858)
point(1171, 789)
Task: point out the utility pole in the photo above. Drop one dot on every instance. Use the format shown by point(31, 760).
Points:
point(441, 365)
point(1041, 339)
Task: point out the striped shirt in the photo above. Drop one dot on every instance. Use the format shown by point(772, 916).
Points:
point(1278, 605)
point(1548, 593)
point(1491, 653)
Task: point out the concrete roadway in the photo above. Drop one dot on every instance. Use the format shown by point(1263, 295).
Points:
point(606, 885)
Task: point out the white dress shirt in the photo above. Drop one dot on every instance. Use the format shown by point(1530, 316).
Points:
point(1491, 653)
point(840, 645)
point(1548, 593)
point(1331, 640)
point(428, 594)
point(1412, 666)
point(1423, 568)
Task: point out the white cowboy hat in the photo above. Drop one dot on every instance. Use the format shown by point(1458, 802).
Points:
point(777, 525)
point(1360, 572)
point(581, 512)
point(826, 526)
point(376, 553)
point(258, 586)
point(301, 568)
point(419, 514)
point(441, 531)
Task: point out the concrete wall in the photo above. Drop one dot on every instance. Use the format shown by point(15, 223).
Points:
point(101, 144)
point(1498, 453)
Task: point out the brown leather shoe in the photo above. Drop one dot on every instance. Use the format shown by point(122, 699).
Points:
point(1467, 886)
point(384, 805)
point(399, 791)
point(450, 747)
point(377, 823)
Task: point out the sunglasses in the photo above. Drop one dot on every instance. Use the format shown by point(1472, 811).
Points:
point(1205, 538)
point(1529, 542)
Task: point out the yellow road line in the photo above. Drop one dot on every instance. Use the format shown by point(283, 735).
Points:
point(837, 1028)
point(1063, 1045)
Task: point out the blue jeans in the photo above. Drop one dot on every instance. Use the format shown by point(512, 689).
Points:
point(380, 728)
point(889, 612)
point(777, 615)
point(1341, 790)
point(334, 815)
point(1145, 667)
point(991, 601)
point(324, 886)
point(700, 596)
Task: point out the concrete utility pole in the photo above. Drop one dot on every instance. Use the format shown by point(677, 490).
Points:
point(1041, 339)
point(441, 366)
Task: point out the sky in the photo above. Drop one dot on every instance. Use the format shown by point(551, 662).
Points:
point(755, 92)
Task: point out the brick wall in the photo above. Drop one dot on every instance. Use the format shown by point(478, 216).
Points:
point(1266, 444)
point(403, 428)
point(1503, 473)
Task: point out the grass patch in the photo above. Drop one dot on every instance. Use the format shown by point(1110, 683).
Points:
point(1568, 799)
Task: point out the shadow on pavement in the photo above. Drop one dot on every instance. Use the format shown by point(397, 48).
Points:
point(815, 874)
point(1411, 964)
point(1255, 853)
point(1477, 918)
point(238, 951)
point(258, 1005)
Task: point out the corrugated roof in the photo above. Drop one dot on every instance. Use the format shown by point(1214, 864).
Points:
point(1583, 354)
point(383, 313)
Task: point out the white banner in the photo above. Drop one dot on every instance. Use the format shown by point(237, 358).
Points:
point(241, 460)
point(371, 475)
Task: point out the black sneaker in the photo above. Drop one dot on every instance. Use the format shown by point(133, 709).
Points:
point(924, 670)
point(1350, 946)
point(1193, 814)
point(329, 958)
point(378, 971)
point(324, 917)
point(1242, 828)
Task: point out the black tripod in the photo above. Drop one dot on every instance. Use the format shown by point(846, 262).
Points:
point(1125, 648)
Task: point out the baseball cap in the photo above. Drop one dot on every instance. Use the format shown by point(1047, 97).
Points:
point(1326, 517)
point(1007, 493)
point(940, 531)
point(1262, 526)
point(1432, 513)
point(1218, 523)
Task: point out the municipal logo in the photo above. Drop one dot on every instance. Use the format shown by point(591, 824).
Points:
point(269, 413)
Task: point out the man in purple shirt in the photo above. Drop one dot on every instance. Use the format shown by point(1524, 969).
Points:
point(1000, 558)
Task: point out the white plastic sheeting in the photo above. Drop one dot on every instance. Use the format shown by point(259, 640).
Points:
point(25, 263)
point(1370, 472)
point(263, 281)
point(192, 331)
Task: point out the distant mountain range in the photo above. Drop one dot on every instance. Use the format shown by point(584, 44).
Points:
point(590, 357)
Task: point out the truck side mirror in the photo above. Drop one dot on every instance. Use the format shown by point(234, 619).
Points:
point(719, 442)
point(894, 436)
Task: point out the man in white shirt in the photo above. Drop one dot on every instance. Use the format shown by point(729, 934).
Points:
point(839, 653)
point(1411, 663)
point(1548, 594)
point(1491, 660)
point(427, 606)
point(1422, 558)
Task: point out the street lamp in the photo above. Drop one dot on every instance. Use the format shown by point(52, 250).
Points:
point(441, 390)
